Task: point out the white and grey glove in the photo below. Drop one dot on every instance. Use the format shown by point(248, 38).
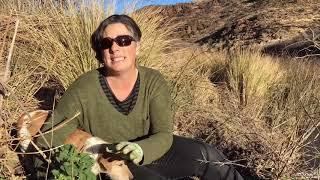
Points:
point(133, 151)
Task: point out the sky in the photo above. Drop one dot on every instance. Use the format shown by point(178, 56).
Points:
point(163, 2)
point(120, 4)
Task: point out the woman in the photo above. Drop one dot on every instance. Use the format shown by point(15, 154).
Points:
point(129, 105)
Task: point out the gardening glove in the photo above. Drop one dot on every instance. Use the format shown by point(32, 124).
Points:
point(133, 151)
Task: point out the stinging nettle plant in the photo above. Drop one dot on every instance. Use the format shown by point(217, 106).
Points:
point(68, 164)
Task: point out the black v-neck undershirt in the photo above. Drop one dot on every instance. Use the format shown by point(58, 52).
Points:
point(125, 106)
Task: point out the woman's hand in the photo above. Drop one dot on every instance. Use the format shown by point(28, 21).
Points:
point(133, 150)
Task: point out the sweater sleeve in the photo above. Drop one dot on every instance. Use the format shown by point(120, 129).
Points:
point(161, 125)
point(68, 106)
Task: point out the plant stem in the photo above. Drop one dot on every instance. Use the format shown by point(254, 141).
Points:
point(7, 69)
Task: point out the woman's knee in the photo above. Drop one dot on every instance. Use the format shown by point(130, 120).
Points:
point(218, 166)
point(211, 153)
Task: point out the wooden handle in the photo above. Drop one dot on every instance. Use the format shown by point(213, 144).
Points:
point(78, 139)
point(33, 120)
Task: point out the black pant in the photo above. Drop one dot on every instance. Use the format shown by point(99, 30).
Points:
point(187, 157)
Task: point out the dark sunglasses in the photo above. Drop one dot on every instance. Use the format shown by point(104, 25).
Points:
point(123, 40)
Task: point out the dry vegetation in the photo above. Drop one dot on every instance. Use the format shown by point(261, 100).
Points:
point(262, 112)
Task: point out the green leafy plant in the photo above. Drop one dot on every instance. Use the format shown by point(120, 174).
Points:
point(69, 164)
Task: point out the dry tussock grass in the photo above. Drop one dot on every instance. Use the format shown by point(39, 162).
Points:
point(260, 111)
point(22, 87)
point(232, 101)
point(155, 39)
point(251, 74)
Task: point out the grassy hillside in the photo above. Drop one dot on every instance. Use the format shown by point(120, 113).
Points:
point(261, 111)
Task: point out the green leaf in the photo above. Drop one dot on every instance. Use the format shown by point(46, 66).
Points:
point(70, 165)
point(69, 170)
point(55, 173)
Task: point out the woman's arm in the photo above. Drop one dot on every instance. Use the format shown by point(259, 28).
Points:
point(161, 125)
point(64, 119)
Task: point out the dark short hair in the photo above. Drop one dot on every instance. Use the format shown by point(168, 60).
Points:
point(97, 35)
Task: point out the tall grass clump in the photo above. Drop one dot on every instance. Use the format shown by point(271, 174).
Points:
point(250, 74)
point(21, 86)
point(156, 41)
point(240, 102)
point(58, 36)
point(294, 111)
point(188, 71)
point(296, 96)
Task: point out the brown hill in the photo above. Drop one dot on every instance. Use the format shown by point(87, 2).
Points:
point(231, 23)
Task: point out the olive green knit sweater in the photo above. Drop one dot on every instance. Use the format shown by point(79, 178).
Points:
point(149, 124)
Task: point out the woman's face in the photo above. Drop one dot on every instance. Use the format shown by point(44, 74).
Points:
point(116, 58)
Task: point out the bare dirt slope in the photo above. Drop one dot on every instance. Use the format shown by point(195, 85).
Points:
point(229, 23)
